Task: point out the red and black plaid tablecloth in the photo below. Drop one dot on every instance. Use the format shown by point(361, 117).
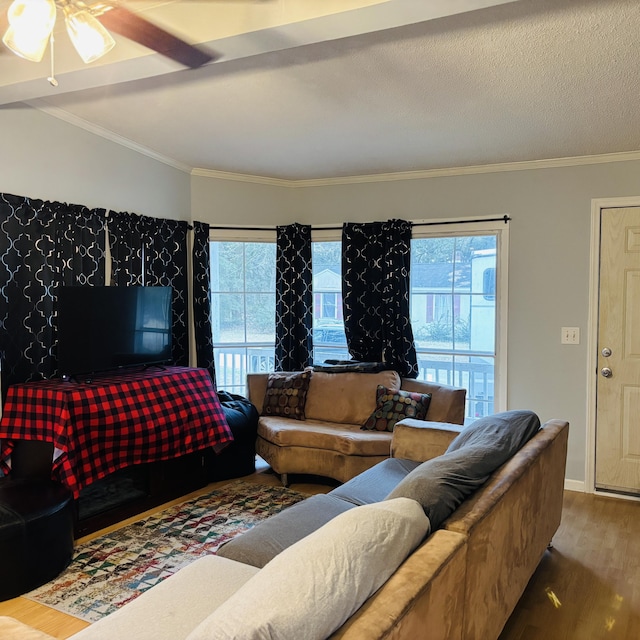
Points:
point(115, 421)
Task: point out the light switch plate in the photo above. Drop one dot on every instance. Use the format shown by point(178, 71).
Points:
point(570, 335)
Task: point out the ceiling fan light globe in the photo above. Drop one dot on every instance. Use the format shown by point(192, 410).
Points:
point(30, 25)
point(88, 36)
point(25, 45)
point(39, 15)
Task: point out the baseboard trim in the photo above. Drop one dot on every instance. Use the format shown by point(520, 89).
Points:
point(574, 485)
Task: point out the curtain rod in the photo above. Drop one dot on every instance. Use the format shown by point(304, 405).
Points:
point(504, 219)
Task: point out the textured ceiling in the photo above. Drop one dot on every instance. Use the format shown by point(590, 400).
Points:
point(525, 80)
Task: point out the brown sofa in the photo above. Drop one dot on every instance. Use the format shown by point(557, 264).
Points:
point(329, 441)
point(461, 583)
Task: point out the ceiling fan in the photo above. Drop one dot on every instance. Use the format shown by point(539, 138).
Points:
point(31, 24)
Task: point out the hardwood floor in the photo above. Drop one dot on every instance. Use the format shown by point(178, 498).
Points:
point(586, 588)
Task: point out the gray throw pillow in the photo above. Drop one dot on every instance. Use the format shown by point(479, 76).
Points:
point(506, 432)
point(441, 484)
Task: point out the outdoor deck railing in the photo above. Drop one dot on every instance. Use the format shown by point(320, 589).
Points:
point(234, 362)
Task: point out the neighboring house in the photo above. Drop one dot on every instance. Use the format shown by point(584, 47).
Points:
point(327, 296)
point(433, 285)
point(431, 305)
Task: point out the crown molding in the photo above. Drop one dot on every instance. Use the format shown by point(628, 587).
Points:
point(526, 165)
point(76, 121)
point(243, 177)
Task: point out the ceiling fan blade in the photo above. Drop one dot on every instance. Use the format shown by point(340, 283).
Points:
point(132, 26)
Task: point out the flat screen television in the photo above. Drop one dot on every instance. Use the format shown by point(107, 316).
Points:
point(106, 328)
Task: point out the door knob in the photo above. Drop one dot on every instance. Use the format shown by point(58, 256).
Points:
point(606, 372)
point(606, 352)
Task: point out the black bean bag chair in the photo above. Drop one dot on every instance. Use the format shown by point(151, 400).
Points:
point(238, 458)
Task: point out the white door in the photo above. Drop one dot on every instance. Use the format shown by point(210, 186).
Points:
point(617, 463)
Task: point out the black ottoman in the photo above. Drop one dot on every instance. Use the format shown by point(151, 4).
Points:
point(36, 533)
point(238, 458)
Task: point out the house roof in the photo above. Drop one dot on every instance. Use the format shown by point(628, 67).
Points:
point(327, 280)
point(440, 275)
point(315, 90)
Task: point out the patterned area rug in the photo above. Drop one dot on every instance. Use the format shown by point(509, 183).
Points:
point(115, 568)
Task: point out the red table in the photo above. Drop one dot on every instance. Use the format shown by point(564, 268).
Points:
point(114, 421)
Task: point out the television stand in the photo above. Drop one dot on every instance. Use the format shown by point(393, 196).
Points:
point(123, 493)
point(135, 489)
point(166, 420)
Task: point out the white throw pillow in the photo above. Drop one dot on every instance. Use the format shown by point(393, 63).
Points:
point(310, 589)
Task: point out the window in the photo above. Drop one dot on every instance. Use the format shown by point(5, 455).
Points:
point(243, 276)
point(243, 308)
point(489, 283)
point(458, 303)
point(454, 311)
point(329, 340)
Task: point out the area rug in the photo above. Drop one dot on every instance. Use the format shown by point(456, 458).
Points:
point(115, 568)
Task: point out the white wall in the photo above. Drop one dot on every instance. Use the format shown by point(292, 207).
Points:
point(44, 157)
point(235, 202)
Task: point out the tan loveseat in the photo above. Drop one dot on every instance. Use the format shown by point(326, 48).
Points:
point(330, 441)
point(461, 583)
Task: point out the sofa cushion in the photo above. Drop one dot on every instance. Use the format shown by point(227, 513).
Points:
point(393, 405)
point(174, 607)
point(286, 394)
point(347, 398)
point(310, 589)
point(507, 431)
point(347, 439)
point(267, 539)
point(441, 484)
point(374, 484)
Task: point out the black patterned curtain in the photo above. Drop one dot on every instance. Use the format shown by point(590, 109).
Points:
point(127, 233)
point(153, 252)
point(42, 245)
point(202, 299)
point(375, 283)
point(294, 311)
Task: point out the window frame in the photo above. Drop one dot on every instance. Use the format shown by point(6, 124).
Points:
point(480, 226)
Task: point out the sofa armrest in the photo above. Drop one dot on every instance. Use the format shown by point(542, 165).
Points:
point(256, 388)
point(447, 403)
point(421, 440)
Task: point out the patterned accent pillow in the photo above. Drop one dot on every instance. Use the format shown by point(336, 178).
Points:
point(286, 394)
point(395, 404)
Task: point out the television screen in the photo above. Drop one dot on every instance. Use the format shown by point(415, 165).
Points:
point(107, 328)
